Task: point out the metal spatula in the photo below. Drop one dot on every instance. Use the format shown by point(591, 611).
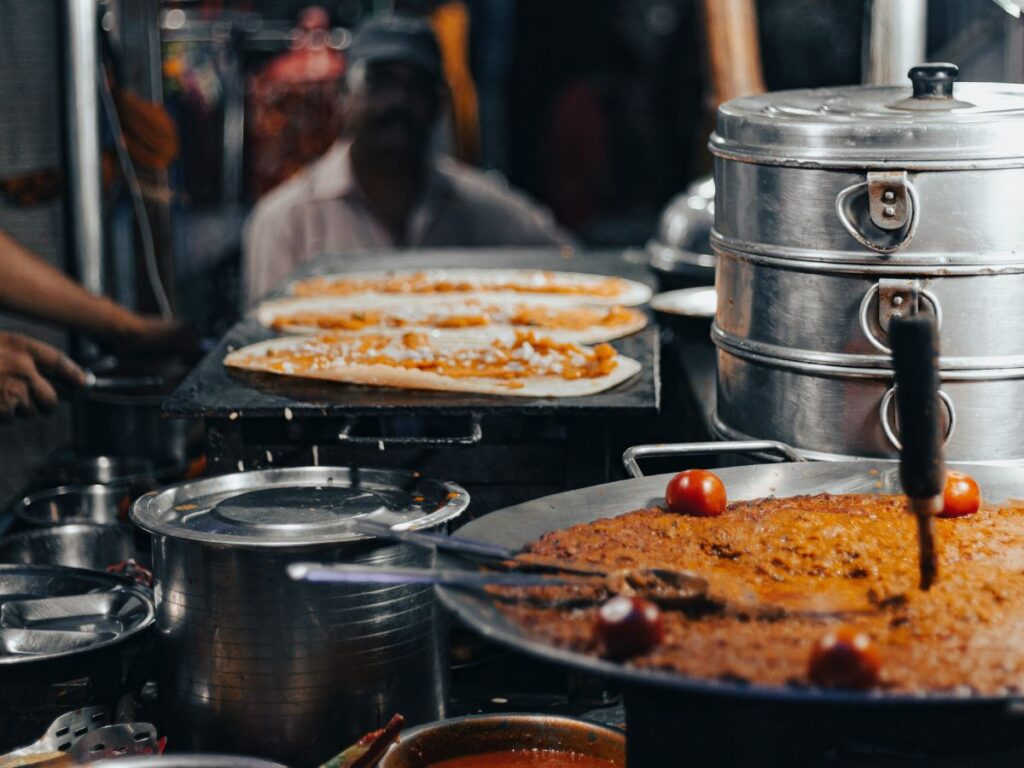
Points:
point(915, 358)
point(63, 733)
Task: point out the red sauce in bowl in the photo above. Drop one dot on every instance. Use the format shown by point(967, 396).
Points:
point(526, 758)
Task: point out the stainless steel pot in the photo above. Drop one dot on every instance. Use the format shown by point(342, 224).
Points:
point(680, 252)
point(467, 736)
point(254, 662)
point(838, 209)
point(93, 547)
point(65, 634)
point(122, 417)
point(130, 424)
point(100, 504)
point(109, 470)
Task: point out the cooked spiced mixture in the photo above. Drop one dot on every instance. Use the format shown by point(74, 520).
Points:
point(783, 572)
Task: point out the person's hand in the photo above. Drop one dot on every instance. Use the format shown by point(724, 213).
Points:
point(25, 364)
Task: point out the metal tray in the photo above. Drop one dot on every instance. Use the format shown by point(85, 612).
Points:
point(48, 612)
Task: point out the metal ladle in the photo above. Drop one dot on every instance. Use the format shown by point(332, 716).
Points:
point(493, 554)
point(667, 588)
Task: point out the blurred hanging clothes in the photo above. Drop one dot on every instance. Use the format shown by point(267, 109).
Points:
point(293, 105)
point(450, 21)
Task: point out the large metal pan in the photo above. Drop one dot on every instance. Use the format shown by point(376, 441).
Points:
point(674, 720)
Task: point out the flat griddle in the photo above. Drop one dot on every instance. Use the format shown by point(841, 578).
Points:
point(674, 721)
point(516, 526)
point(212, 391)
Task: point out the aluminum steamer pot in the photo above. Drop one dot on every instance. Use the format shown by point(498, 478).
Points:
point(838, 209)
point(674, 721)
point(255, 663)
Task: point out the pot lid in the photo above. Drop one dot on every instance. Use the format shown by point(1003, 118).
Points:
point(934, 123)
point(299, 506)
point(48, 612)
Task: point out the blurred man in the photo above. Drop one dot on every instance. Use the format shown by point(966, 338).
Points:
point(382, 186)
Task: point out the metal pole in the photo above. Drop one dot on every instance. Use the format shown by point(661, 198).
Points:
point(896, 40)
point(82, 136)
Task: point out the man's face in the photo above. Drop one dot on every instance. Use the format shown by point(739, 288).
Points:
point(391, 109)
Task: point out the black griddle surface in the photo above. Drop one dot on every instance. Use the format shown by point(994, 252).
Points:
point(211, 390)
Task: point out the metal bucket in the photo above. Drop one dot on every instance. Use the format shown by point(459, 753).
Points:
point(254, 662)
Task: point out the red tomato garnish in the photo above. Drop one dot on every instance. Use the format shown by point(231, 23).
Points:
point(628, 626)
point(845, 658)
point(961, 495)
point(696, 492)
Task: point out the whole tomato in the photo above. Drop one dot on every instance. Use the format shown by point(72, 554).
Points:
point(696, 492)
point(845, 658)
point(627, 627)
point(961, 496)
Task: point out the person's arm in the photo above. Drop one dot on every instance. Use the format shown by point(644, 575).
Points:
point(31, 286)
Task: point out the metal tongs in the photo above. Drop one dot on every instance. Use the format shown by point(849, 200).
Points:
point(915, 358)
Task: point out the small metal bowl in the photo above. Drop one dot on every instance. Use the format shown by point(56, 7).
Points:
point(101, 470)
point(81, 545)
point(477, 734)
point(109, 470)
point(99, 504)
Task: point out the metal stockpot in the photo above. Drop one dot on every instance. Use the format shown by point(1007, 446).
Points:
point(837, 210)
point(257, 663)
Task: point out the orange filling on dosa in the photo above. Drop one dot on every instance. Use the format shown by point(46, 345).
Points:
point(419, 282)
point(571, 318)
point(527, 356)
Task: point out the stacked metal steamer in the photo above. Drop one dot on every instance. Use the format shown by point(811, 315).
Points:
point(839, 208)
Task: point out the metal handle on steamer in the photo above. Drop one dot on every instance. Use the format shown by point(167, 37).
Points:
point(890, 432)
point(475, 435)
point(630, 455)
point(893, 205)
point(865, 307)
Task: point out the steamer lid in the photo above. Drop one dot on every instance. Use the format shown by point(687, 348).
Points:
point(935, 123)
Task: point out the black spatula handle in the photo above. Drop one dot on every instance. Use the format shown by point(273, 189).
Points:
point(915, 358)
